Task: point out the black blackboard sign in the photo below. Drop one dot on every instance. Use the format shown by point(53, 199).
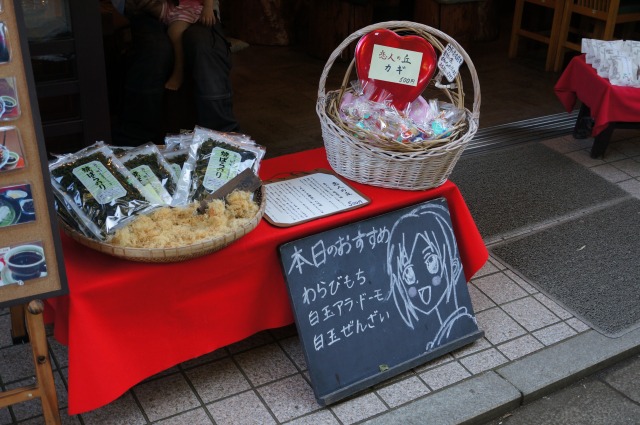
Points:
point(377, 297)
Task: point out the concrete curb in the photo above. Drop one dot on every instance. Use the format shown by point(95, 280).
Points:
point(487, 395)
point(557, 366)
point(491, 394)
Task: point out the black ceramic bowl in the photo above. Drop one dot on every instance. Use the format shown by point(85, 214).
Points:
point(25, 261)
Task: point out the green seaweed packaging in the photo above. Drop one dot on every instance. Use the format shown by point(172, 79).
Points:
point(98, 187)
point(214, 159)
point(176, 159)
point(153, 171)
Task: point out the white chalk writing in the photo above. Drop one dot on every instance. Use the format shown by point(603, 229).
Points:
point(320, 252)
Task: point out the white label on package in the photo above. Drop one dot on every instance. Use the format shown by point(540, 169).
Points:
point(99, 182)
point(395, 65)
point(449, 62)
point(152, 183)
point(177, 169)
point(222, 167)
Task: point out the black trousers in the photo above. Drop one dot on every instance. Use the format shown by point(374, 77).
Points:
point(207, 71)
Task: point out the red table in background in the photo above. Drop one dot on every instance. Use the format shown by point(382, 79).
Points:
point(610, 106)
point(125, 321)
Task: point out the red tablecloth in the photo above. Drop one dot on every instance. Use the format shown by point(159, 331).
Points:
point(608, 103)
point(125, 321)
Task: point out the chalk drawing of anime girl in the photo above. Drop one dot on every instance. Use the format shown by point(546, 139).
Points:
point(424, 269)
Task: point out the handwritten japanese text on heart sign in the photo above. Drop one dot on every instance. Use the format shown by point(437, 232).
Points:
point(406, 57)
point(395, 65)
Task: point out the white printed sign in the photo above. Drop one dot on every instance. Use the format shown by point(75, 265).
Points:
point(305, 198)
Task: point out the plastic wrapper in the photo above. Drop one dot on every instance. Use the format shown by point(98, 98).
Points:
point(153, 171)
point(71, 215)
point(623, 72)
point(214, 159)
point(173, 142)
point(617, 60)
point(440, 118)
point(100, 190)
point(420, 121)
point(120, 150)
point(176, 159)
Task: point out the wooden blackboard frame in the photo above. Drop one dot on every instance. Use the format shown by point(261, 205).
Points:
point(348, 278)
point(43, 231)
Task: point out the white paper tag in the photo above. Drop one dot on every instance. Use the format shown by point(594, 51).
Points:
point(395, 65)
point(222, 167)
point(99, 181)
point(152, 183)
point(449, 62)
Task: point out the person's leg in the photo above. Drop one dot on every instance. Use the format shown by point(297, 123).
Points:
point(136, 7)
point(175, 31)
point(155, 8)
point(208, 59)
point(140, 119)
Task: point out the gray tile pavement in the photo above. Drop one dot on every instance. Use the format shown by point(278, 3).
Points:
point(532, 347)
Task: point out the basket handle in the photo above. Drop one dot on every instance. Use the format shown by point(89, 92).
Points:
point(403, 25)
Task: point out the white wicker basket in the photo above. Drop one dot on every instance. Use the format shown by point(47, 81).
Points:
point(366, 158)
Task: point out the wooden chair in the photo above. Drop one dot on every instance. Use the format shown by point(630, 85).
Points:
point(548, 36)
point(604, 16)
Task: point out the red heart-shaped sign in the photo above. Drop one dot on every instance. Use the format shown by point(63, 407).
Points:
point(400, 66)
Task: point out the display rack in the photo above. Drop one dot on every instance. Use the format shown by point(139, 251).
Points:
point(31, 263)
point(29, 217)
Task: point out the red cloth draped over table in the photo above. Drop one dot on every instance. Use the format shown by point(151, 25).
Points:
point(125, 321)
point(608, 103)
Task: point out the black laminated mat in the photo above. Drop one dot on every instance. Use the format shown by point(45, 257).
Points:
point(590, 265)
point(527, 184)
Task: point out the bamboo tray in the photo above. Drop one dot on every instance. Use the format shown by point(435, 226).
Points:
point(167, 255)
